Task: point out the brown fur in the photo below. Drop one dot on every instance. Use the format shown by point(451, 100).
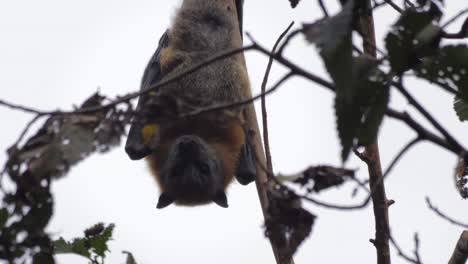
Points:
point(224, 136)
point(202, 29)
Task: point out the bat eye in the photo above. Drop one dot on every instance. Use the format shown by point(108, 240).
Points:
point(204, 168)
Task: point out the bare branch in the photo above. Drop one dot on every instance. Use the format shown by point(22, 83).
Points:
point(463, 33)
point(405, 256)
point(324, 8)
point(453, 19)
point(444, 216)
point(422, 132)
point(362, 205)
point(450, 139)
point(460, 253)
point(416, 248)
point(372, 159)
point(400, 155)
point(266, 139)
point(281, 255)
point(394, 6)
point(21, 108)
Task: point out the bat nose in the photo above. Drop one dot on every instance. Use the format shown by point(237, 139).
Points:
point(188, 147)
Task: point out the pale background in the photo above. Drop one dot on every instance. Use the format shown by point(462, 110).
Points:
point(55, 53)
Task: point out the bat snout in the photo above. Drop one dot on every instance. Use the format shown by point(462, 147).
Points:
point(188, 147)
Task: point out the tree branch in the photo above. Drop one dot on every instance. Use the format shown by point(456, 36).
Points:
point(324, 8)
point(454, 18)
point(450, 139)
point(372, 159)
point(422, 132)
point(463, 33)
point(403, 255)
point(400, 155)
point(460, 253)
point(444, 216)
point(281, 255)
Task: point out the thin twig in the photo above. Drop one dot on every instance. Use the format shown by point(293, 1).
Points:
point(133, 95)
point(409, 4)
point(283, 258)
point(394, 6)
point(402, 254)
point(266, 139)
point(324, 8)
point(26, 129)
point(395, 160)
point(453, 19)
point(462, 33)
point(444, 216)
point(327, 205)
point(447, 88)
point(422, 132)
point(288, 40)
point(25, 109)
point(450, 139)
point(416, 248)
point(239, 103)
point(400, 155)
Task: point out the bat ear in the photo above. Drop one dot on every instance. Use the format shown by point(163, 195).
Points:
point(164, 200)
point(221, 199)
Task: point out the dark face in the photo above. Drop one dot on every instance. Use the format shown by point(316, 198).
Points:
point(192, 172)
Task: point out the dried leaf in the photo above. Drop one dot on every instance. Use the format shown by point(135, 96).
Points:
point(323, 177)
point(287, 223)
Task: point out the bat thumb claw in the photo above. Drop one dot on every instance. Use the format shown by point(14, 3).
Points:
point(164, 201)
point(221, 199)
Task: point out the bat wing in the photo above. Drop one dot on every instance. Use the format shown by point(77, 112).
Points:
point(246, 167)
point(135, 146)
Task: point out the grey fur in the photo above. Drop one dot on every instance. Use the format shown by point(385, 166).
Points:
point(202, 29)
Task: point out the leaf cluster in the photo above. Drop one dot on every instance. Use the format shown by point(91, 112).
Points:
point(61, 142)
point(363, 83)
point(92, 246)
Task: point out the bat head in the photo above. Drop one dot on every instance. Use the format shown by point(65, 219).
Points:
point(192, 174)
point(208, 25)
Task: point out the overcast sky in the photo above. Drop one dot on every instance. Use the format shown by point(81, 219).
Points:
point(55, 53)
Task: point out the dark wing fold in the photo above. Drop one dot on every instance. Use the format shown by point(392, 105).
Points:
point(246, 167)
point(135, 147)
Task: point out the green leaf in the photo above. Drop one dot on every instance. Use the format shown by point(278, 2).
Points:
point(361, 104)
point(333, 38)
point(3, 217)
point(461, 108)
point(401, 41)
point(89, 247)
point(374, 105)
point(449, 67)
point(427, 41)
point(81, 247)
point(43, 258)
point(62, 247)
point(78, 246)
point(99, 242)
point(340, 67)
point(39, 216)
point(329, 33)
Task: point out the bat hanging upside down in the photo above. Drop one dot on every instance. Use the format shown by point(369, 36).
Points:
point(195, 158)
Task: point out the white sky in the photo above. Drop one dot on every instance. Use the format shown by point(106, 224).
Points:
point(55, 53)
